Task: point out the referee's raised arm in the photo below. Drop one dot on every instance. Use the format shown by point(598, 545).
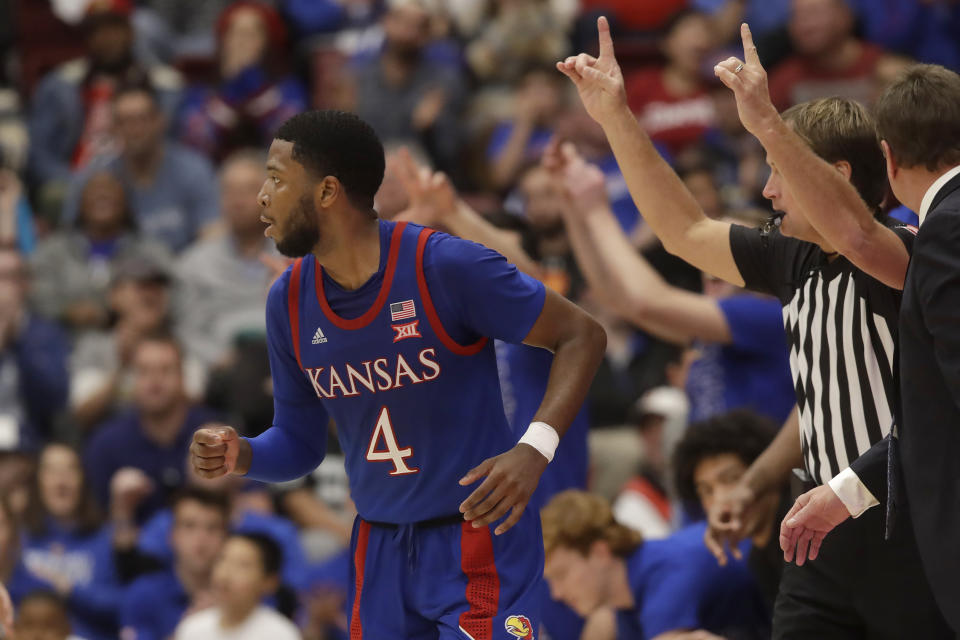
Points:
point(667, 206)
point(821, 187)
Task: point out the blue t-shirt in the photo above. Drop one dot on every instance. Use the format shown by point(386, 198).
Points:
point(678, 585)
point(403, 365)
point(524, 371)
point(122, 443)
point(152, 607)
point(155, 541)
point(87, 559)
point(753, 371)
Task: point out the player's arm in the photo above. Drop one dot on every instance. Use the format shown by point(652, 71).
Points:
point(578, 343)
point(824, 193)
point(296, 442)
point(667, 206)
point(612, 266)
point(490, 297)
point(739, 512)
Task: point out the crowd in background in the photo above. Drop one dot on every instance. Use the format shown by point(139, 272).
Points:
point(134, 273)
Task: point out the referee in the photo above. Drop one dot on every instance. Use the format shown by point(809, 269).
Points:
point(841, 327)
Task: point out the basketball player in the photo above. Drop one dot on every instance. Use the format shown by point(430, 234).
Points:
point(388, 329)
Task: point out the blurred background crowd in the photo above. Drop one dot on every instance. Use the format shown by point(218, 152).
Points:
point(134, 272)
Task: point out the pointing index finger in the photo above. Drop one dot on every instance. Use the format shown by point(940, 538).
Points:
point(606, 42)
point(749, 49)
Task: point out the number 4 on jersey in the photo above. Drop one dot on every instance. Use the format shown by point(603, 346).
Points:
point(392, 453)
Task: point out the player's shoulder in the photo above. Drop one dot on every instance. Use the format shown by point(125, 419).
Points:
point(447, 251)
point(281, 286)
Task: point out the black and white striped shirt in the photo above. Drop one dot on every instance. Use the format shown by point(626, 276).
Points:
point(841, 329)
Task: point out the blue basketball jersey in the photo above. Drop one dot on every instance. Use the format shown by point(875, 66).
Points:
point(415, 407)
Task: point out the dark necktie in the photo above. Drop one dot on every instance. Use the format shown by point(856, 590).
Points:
point(893, 478)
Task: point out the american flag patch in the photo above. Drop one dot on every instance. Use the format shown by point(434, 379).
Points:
point(402, 310)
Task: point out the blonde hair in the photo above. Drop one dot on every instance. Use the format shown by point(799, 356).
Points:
point(576, 519)
point(840, 129)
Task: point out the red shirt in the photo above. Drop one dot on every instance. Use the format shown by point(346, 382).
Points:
point(645, 15)
point(97, 137)
point(671, 120)
point(797, 79)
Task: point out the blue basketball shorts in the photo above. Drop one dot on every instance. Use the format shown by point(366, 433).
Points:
point(446, 581)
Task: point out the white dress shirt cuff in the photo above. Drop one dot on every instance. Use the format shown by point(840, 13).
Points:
point(852, 493)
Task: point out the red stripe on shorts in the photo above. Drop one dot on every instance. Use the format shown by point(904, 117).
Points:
point(359, 562)
point(483, 583)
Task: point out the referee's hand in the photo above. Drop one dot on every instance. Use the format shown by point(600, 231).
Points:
point(217, 451)
point(810, 519)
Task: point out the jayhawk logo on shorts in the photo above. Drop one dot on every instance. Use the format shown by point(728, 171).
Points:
point(519, 626)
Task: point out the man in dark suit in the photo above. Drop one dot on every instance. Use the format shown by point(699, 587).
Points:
point(918, 122)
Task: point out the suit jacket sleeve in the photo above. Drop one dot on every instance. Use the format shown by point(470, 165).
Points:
point(871, 469)
point(936, 263)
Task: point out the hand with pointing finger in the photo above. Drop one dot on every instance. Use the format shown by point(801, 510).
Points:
point(748, 81)
point(599, 81)
point(218, 451)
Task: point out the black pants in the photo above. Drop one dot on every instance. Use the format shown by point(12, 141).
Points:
point(860, 586)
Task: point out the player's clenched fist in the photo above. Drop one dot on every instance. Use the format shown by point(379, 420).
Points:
point(217, 451)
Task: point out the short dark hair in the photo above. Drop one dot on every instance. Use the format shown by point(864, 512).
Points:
point(45, 595)
point(340, 144)
point(271, 555)
point(919, 117)
point(741, 432)
point(840, 129)
point(218, 500)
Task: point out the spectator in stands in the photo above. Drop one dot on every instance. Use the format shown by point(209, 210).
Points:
point(101, 374)
point(246, 572)
point(254, 94)
point(404, 95)
point(645, 504)
point(154, 435)
point(177, 30)
point(310, 17)
point(710, 460)
point(66, 548)
point(33, 362)
point(16, 216)
point(520, 141)
point(43, 615)
point(9, 540)
point(172, 190)
point(829, 60)
point(251, 512)
point(508, 38)
point(672, 101)
point(626, 588)
point(222, 280)
point(71, 119)
point(154, 604)
point(636, 15)
point(925, 30)
point(743, 360)
point(71, 269)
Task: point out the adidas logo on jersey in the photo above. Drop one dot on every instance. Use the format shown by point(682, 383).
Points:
point(318, 337)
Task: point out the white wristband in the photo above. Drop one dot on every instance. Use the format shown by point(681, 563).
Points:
point(543, 438)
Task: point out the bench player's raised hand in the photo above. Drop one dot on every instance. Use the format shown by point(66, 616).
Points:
point(599, 81)
point(748, 81)
point(217, 451)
